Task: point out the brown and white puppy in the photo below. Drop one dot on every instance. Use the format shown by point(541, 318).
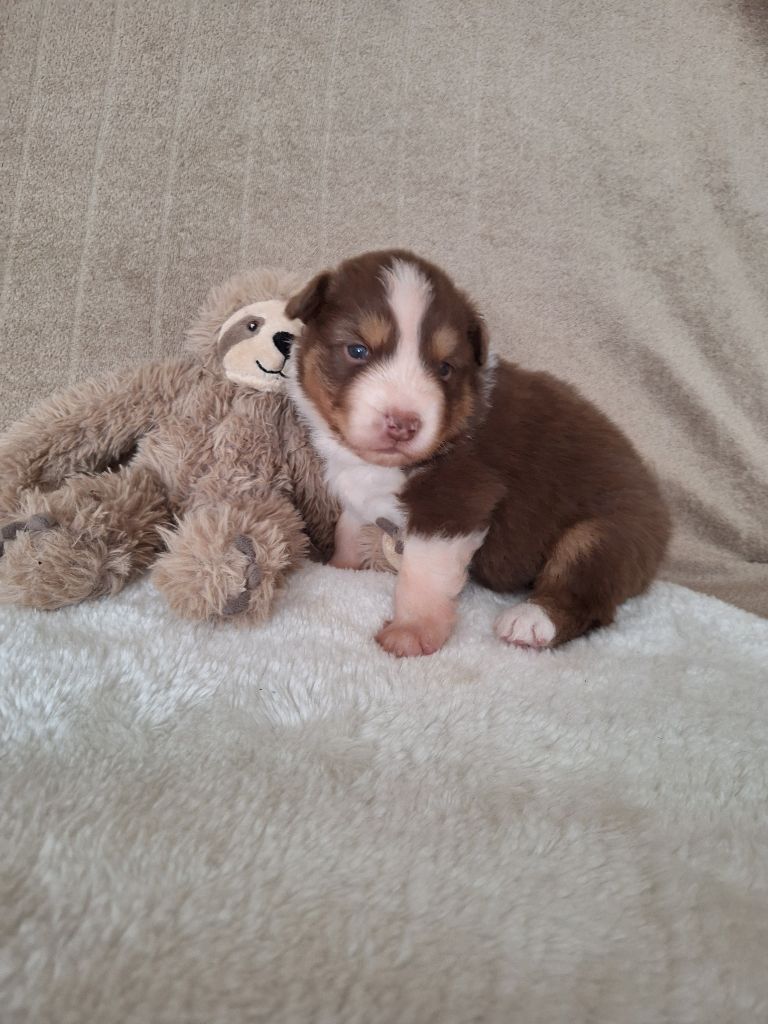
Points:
point(490, 469)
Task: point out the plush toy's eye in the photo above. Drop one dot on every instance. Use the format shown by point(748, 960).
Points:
point(357, 351)
point(253, 325)
point(445, 370)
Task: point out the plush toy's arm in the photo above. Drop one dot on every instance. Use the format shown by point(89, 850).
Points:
point(305, 469)
point(230, 559)
point(243, 530)
point(88, 427)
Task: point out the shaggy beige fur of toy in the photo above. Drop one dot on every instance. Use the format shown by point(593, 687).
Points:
point(174, 464)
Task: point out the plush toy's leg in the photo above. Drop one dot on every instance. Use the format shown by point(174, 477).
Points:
point(229, 561)
point(85, 540)
point(87, 428)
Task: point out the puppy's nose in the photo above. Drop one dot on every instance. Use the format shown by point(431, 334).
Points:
point(401, 426)
point(283, 341)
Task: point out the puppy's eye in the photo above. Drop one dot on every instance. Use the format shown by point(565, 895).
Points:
point(358, 352)
point(445, 370)
point(253, 325)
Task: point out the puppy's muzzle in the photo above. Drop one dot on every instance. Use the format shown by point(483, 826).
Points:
point(401, 426)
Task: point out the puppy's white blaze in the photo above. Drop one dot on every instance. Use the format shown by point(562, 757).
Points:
point(432, 574)
point(401, 382)
point(409, 294)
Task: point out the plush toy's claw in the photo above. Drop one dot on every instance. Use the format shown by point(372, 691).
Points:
point(35, 524)
point(245, 545)
point(392, 531)
point(10, 530)
point(236, 605)
point(38, 523)
point(254, 574)
point(387, 526)
point(253, 577)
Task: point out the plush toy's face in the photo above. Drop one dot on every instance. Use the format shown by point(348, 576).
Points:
point(255, 345)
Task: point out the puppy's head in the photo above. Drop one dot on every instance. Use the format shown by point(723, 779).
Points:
point(391, 356)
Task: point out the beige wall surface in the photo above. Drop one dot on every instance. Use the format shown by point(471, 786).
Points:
point(594, 172)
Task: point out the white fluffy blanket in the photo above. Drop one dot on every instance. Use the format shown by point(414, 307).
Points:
point(286, 825)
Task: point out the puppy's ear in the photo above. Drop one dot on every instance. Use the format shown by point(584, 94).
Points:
point(310, 300)
point(477, 334)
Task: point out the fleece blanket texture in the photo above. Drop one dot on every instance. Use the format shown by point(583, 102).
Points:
point(284, 825)
point(592, 171)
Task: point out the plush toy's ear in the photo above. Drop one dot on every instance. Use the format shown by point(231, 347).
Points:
point(309, 301)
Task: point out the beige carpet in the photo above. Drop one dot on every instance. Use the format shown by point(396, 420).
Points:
point(595, 172)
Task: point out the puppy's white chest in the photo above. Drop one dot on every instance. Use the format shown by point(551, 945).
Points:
point(366, 491)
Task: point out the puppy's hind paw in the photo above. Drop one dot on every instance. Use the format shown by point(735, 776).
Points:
point(525, 625)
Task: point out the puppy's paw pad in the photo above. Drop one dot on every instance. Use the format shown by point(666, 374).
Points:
point(409, 641)
point(525, 625)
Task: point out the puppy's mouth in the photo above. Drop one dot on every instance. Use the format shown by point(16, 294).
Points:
point(386, 455)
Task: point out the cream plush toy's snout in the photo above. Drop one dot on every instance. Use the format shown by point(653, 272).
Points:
point(256, 345)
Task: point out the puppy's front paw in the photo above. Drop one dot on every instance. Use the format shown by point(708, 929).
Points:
point(409, 640)
point(345, 561)
point(525, 625)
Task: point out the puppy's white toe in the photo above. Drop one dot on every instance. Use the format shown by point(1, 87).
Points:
point(525, 625)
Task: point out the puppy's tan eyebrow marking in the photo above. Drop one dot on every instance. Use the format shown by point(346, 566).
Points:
point(375, 330)
point(445, 341)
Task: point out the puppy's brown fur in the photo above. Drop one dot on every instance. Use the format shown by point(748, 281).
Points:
point(561, 498)
point(570, 507)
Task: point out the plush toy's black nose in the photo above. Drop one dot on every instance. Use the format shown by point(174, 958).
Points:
point(283, 341)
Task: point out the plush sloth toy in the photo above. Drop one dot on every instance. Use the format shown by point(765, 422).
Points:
point(198, 466)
